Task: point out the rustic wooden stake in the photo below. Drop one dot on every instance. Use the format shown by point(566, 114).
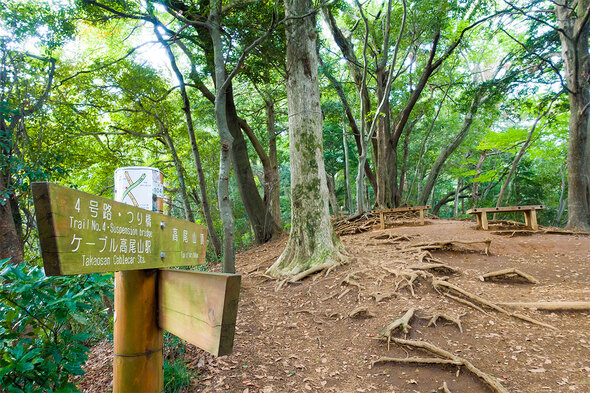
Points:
point(138, 341)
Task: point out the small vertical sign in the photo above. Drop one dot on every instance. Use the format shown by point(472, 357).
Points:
point(140, 186)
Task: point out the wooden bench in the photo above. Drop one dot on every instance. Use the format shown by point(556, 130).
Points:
point(407, 209)
point(530, 214)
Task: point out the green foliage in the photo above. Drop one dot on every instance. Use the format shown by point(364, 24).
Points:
point(177, 377)
point(44, 327)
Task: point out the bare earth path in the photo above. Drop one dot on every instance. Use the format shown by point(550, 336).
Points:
point(303, 337)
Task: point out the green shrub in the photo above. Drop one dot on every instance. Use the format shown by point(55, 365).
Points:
point(44, 326)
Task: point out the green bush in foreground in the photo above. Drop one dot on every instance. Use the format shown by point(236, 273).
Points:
point(44, 326)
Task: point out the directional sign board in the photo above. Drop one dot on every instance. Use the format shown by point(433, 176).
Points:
point(83, 233)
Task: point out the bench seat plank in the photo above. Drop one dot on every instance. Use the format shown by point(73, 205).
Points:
point(420, 209)
point(530, 214)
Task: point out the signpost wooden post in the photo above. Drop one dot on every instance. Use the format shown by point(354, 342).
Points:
point(82, 233)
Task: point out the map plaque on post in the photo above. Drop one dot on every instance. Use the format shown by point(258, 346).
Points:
point(83, 233)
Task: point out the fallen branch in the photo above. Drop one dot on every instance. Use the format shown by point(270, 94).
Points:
point(509, 274)
point(552, 306)
point(485, 377)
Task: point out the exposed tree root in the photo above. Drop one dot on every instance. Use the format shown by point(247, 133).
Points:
point(466, 302)
point(402, 323)
point(485, 377)
point(344, 293)
point(473, 297)
point(512, 273)
point(445, 388)
point(379, 297)
point(361, 312)
point(441, 244)
point(450, 318)
point(415, 360)
point(435, 267)
point(552, 306)
point(313, 270)
point(392, 238)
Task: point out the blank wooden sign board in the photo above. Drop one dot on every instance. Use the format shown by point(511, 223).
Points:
point(199, 308)
point(82, 233)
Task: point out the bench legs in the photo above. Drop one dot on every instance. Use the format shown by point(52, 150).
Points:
point(482, 220)
point(530, 219)
point(382, 220)
point(421, 217)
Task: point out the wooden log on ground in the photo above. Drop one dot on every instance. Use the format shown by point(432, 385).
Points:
point(551, 306)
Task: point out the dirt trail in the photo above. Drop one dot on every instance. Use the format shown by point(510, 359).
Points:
point(302, 338)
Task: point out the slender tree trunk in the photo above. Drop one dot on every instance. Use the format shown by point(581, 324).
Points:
point(227, 141)
point(562, 200)
point(256, 210)
point(573, 24)
point(449, 149)
point(475, 190)
point(188, 212)
point(353, 126)
point(402, 175)
point(312, 241)
point(213, 236)
point(457, 193)
point(348, 201)
point(332, 194)
point(273, 182)
point(517, 159)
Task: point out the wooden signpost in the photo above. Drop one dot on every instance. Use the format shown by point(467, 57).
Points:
point(81, 233)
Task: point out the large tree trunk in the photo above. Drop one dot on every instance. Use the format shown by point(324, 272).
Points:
point(573, 24)
point(386, 168)
point(263, 224)
point(312, 241)
point(449, 149)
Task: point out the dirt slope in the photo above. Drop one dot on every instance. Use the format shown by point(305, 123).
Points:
point(302, 337)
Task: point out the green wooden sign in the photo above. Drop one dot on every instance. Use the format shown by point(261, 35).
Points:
point(83, 233)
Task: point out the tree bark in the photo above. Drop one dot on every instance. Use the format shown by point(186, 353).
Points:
point(573, 33)
point(312, 241)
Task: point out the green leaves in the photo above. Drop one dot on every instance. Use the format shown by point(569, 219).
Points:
point(42, 327)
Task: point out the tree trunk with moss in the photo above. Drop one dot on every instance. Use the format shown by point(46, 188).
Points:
point(312, 241)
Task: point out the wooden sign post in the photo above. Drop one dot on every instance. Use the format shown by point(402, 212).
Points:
point(82, 233)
